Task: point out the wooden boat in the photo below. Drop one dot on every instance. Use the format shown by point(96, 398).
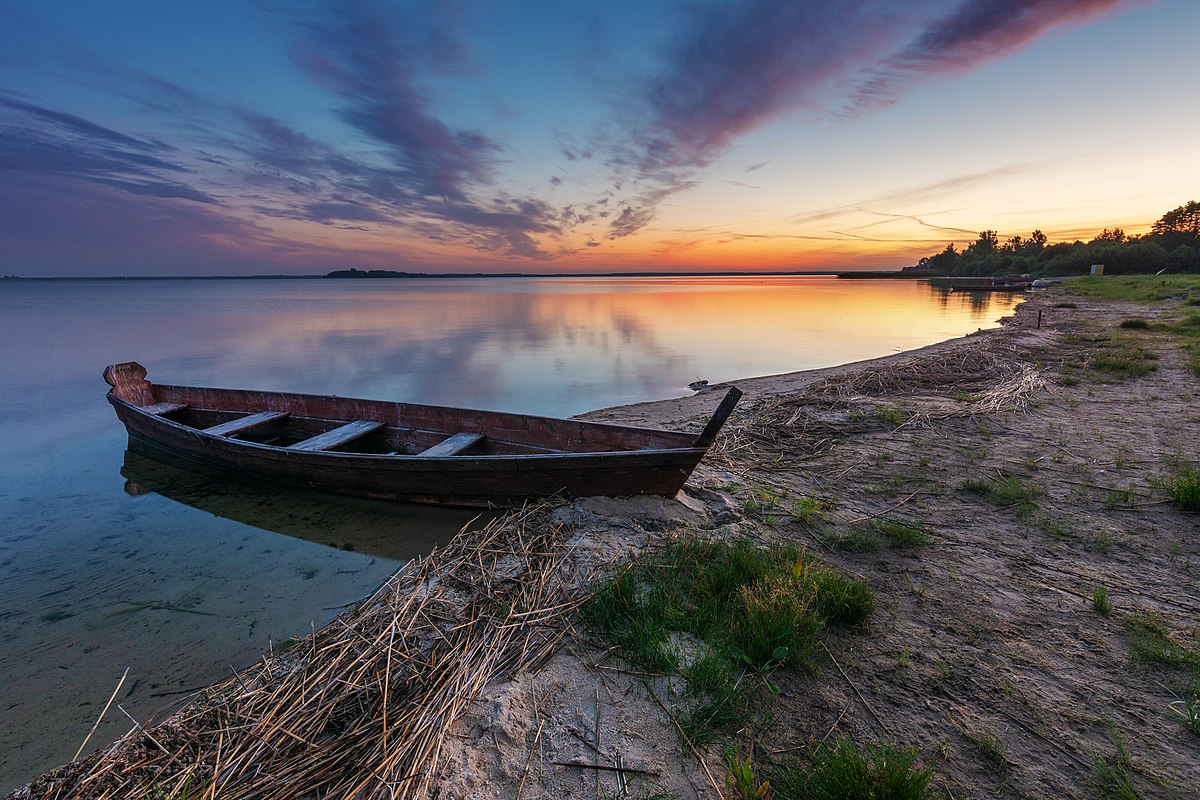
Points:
point(402, 451)
point(1003, 284)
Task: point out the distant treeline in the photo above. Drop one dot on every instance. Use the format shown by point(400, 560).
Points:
point(1173, 244)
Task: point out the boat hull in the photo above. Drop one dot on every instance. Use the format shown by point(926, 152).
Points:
point(460, 480)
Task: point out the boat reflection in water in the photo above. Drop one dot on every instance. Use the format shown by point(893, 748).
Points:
point(396, 531)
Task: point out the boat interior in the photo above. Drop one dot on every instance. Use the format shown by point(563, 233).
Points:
point(315, 434)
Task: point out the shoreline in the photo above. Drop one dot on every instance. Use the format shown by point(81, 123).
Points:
point(977, 630)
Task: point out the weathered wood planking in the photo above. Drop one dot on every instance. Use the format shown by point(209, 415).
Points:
point(452, 446)
point(243, 424)
point(339, 436)
point(405, 451)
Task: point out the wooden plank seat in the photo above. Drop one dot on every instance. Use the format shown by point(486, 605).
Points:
point(242, 424)
point(159, 409)
point(452, 446)
point(338, 436)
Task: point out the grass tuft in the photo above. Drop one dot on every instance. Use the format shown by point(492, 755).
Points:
point(1006, 492)
point(1187, 705)
point(1113, 777)
point(844, 771)
point(1185, 490)
point(750, 609)
point(1150, 642)
point(840, 599)
point(1100, 602)
point(1125, 362)
point(905, 535)
point(772, 624)
point(1136, 323)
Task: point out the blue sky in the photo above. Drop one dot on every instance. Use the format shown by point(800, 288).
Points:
point(297, 137)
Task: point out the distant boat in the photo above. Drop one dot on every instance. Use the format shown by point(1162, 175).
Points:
point(1010, 283)
point(402, 451)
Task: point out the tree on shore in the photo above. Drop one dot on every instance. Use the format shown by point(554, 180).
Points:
point(1180, 226)
point(1173, 244)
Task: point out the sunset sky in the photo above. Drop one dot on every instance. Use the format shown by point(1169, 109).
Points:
point(234, 137)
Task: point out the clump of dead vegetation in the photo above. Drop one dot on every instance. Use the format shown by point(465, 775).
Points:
point(992, 377)
point(360, 708)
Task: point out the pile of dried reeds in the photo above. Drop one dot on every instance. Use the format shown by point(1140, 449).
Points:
point(809, 422)
point(945, 370)
point(359, 709)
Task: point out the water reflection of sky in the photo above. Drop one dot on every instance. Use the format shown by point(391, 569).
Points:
point(97, 580)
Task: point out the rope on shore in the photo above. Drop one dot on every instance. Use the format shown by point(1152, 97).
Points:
point(360, 709)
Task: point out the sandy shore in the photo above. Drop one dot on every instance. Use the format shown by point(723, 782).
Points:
point(986, 652)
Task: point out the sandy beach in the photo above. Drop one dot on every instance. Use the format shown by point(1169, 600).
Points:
point(987, 652)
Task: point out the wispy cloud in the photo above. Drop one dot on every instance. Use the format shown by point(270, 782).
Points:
point(371, 57)
point(735, 66)
point(976, 33)
point(35, 139)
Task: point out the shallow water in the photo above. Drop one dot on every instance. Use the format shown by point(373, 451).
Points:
point(109, 562)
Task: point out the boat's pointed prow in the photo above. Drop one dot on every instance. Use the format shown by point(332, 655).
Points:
point(129, 383)
point(718, 418)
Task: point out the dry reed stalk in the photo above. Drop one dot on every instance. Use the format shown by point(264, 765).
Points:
point(363, 709)
point(807, 423)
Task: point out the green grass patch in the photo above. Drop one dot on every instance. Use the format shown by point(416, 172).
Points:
point(1101, 604)
point(1193, 355)
point(1112, 778)
point(990, 749)
point(1100, 542)
point(809, 511)
point(1189, 325)
point(845, 771)
point(1123, 360)
point(1185, 490)
point(1136, 288)
point(1150, 642)
point(1006, 492)
point(898, 533)
point(1137, 323)
point(858, 540)
point(1187, 705)
point(743, 609)
point(771, 506)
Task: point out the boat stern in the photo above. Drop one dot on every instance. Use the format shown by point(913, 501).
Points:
point(128, 382)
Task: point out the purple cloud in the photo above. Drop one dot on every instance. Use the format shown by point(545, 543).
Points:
point(976, 33)
point(41, 140)
point(736, 66)
point(79, 125)
point(371, 59)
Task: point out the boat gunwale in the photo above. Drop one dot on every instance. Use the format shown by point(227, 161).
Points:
point(156, 419)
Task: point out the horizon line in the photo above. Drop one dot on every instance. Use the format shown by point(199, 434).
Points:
point(396, 274)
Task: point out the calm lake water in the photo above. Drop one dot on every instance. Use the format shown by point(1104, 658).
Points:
point(109, 561)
